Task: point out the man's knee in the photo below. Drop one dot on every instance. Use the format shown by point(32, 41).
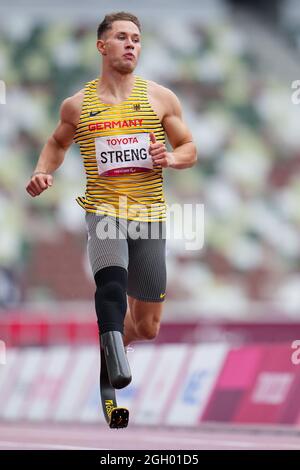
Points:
point(147, 329)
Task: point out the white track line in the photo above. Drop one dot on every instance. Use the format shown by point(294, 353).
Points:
point(200, 442)
point(223, 443)
point(23, 445)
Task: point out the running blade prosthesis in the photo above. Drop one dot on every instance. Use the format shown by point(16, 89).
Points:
point(115, 373)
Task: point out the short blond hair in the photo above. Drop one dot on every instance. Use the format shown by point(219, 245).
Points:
point(106, 24)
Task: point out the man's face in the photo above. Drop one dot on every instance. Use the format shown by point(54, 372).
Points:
point(121, 46)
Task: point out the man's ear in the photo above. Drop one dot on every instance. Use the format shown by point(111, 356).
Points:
point(101, 46)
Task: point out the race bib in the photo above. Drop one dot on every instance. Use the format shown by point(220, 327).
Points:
point(123, 154)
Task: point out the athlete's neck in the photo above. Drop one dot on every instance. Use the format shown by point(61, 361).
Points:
point(114, 87)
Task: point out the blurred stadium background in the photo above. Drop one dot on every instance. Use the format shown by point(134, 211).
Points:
point(232, 308)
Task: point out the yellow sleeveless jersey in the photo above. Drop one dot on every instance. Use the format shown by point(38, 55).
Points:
point(114, 142)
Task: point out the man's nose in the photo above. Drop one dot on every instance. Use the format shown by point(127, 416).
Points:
point(129, 44)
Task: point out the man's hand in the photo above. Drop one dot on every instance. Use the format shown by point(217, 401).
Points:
point(159, 153)
point(38, 183)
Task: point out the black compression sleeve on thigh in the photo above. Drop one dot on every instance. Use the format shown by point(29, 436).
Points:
point(110, 298)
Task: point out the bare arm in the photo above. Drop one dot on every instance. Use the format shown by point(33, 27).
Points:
point(53, 152)
point(184, 149)
point(184, 154)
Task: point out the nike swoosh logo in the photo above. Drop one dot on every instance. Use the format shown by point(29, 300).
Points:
point(162, 295)
point(95, 113)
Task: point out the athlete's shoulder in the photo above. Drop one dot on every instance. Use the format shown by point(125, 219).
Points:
point(164, 95)
point(160, 90)
point(70, 109)
point(73, 103)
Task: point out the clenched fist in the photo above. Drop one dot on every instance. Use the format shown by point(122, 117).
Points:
point(38, 183)
point(159, 153)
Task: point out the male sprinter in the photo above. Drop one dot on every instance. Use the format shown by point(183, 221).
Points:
point(120, 120)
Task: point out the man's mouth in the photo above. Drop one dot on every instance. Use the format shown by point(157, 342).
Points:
point(129, 56)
